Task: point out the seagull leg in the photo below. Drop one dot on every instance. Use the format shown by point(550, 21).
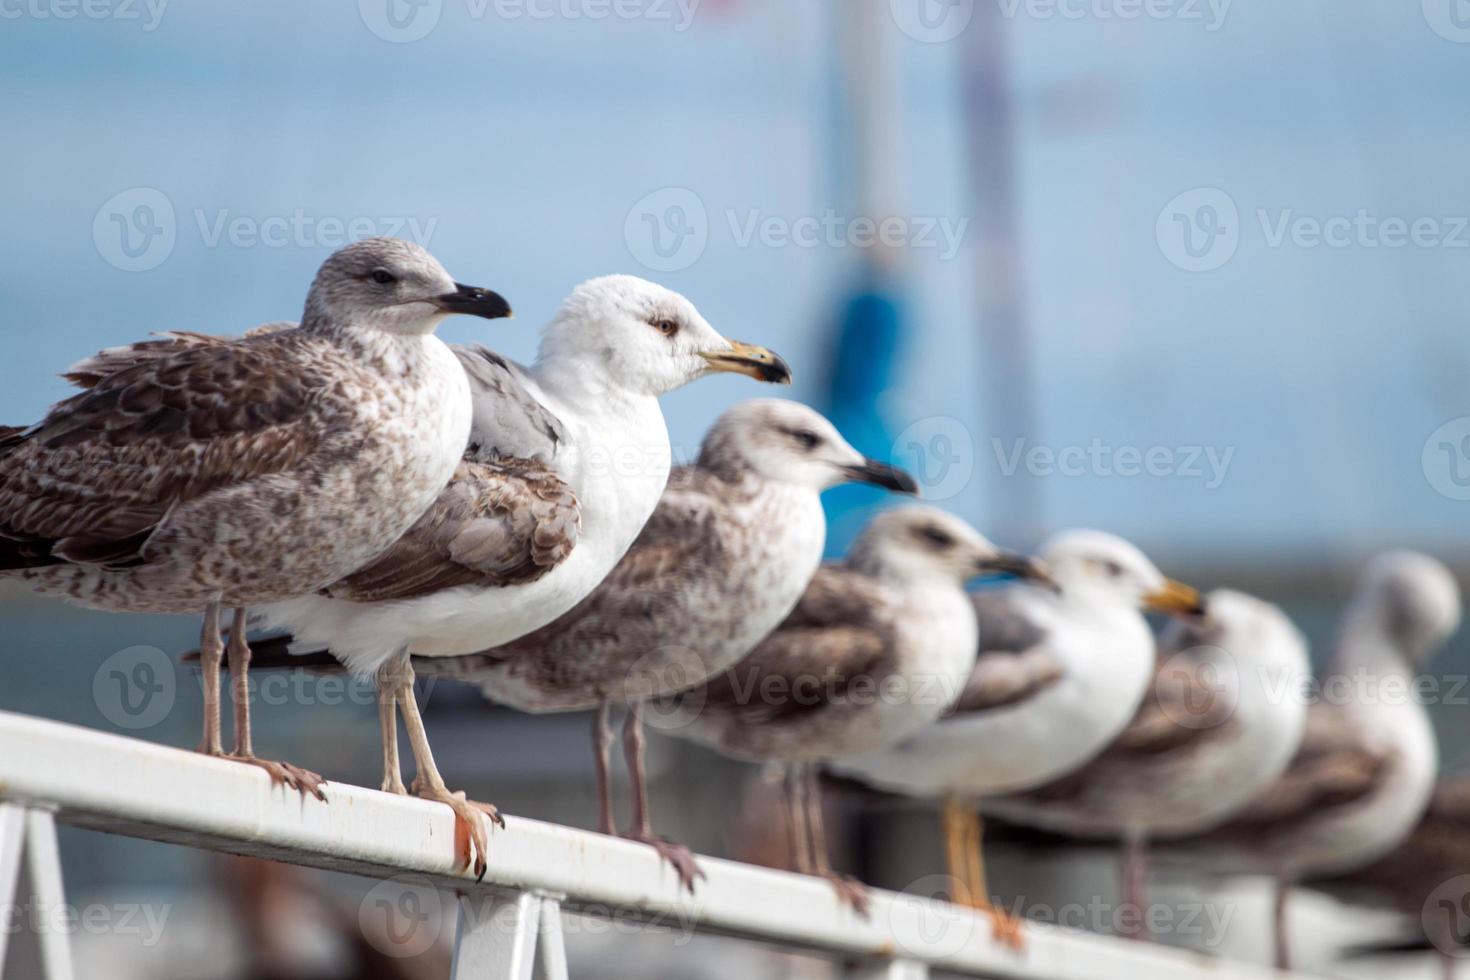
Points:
point(388, 726)
point(801, 842)
point(1135, 881)
point(964, 832)
point(602, 752)
point(211, 649)
point(301, 780)
point(470, 838)
point(678, 856)
point(1281, 942)
point(849, 889)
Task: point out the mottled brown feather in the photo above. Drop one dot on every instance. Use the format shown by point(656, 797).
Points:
point(499, 522)
point(836, 637)
point(171, 421)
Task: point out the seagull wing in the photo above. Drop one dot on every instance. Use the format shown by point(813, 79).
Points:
point(624, 618)
point(508, 420)
point(1333, 767)
point(842, 633)
point(1014, 663)
point(498, 523)
point(93, 480)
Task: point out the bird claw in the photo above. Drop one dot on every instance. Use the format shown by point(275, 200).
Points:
point(471, 841)
point(1005, 927)
point(679, 857)
point(301, 780)
point(851, 892)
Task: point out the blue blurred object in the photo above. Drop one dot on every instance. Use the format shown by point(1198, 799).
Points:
point(865, 349)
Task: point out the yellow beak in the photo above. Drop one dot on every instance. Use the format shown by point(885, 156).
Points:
point(751, 361)
point(1175, 599)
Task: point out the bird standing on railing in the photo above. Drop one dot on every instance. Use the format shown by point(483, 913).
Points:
point(207, 474)
point(1221, 721)
point(725, 557)
point(878, 647)
point(1060, 673)
point(1367, 764)
point(566, 461)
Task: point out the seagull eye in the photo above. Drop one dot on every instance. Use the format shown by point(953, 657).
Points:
point(666, 327)
point(936, 537)
point(806, 440)
point(382, 277)
point(1113, 569)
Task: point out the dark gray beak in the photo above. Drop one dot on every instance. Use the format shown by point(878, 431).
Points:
point(473, 301)
point(882, 475)
point(1021, 566)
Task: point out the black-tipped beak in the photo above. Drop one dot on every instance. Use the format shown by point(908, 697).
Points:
point(474, 301)
point(1175, 599)
point(882, 475)
point(1021, 566)
point(751, 360)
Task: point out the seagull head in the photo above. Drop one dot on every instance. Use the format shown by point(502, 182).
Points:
point(646, 340)
point(787, 442)
point(915, 543)
point(1413, 599)
point(392, 285)
point(1105, 562)
point(1251, 631)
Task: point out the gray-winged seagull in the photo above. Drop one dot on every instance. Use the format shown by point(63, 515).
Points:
point(725, 557)
point(201, 474)
point(1222, 720)
point(567, 460)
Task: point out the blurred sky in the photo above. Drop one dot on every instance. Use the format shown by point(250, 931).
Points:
point(522, 135)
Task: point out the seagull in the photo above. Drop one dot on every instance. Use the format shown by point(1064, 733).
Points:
point(566, 461)
point(735, 539)
point(197, 473)
point(1368, 760)
point(1060, 673)
point(1424, 877)
point(879, 646)
point(1222, 720)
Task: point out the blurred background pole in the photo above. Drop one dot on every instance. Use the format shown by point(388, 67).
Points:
point(868, 333)
point(1005, 376)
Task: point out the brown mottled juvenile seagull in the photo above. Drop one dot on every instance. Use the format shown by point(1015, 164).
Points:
point(203, 473)
point(879, 646)
point(735, 539)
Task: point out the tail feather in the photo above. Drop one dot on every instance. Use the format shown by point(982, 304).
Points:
point(274, 653)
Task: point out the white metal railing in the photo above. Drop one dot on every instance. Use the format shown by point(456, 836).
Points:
point(511, 921)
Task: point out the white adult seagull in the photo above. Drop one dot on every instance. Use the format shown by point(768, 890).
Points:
point(566, 461)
